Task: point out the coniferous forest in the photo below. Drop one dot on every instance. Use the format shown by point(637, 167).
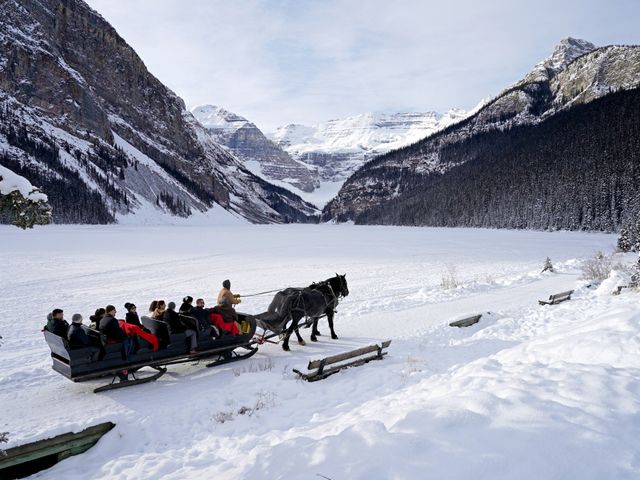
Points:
point(578, 170)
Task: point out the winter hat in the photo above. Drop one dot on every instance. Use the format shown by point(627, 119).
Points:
point(172, 306)
point(226, 284)
point(77, 318)
point(109, 308)
point(128, 306)
point(187, 299)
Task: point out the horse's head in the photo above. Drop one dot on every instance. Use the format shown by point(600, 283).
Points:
point(340, 285)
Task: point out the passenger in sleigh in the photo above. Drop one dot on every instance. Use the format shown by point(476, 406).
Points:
point(56, 323)
point(77, 337)
point(178, 324)
point(187, 305)
point(132, 316)
point(157, 309)
point(204, 321)
point(95, 319)
point(111, 328)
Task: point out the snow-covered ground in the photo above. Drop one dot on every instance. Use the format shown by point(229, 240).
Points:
point(529, 392)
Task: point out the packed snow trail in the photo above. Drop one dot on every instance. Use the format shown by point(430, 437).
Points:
point(529, 392)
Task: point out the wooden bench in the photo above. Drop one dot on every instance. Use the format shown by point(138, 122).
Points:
point(466, 322)
point(557, 298)
point(619, 289)
point(319, 366)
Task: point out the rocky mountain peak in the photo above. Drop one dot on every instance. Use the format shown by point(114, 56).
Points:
point(259, 154)
point(566, 51)
point(218, 118)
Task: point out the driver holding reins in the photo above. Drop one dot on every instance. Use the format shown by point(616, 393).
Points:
point(226, 301)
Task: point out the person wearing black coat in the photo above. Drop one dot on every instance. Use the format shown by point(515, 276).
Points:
point(204, 320)
point(187, 305)
point(110, 326)
point(172, 318)
point(77, 337)
point(178, 323)
point(132, 315)
point(56, 323)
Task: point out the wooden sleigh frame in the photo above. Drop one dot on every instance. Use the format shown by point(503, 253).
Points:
point(107, 360)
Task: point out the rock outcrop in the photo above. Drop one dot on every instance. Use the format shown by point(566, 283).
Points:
point(81, 111)
point(254, 149)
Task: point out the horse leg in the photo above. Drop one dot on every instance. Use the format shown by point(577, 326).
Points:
point(300, 339)
point(314, 330)
point(330, 319)
point(285, 343)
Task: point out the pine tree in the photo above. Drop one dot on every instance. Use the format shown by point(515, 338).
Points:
point(635, 276)
point(625, 241)
point(635, 237)
point(548, 266)
point(24, 212)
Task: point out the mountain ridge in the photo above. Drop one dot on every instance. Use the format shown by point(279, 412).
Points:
point(580, 80)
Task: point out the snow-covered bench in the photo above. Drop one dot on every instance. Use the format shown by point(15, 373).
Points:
point(466, 322)
point(557, 298)
point(619, 289)
point(320, 369)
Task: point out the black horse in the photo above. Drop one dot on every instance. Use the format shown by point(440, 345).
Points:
point(315, 301)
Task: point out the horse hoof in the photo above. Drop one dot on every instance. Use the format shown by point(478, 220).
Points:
point(286, 348)
point(314, 339)
point(334, 336)
point(302, 342)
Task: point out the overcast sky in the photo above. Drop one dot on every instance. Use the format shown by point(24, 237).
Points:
point(297, 61)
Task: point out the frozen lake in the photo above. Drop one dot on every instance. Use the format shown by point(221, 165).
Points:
point(412, 413)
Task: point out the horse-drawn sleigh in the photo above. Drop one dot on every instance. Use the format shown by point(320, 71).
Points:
point(104, 358)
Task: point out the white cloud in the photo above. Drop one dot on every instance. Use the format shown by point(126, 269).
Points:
point(277, 62)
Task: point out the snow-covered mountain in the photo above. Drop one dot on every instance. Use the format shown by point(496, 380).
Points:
point(314, 161)
point(257, 152)
point(338, 147)
point(576, 72)
point(82, 117)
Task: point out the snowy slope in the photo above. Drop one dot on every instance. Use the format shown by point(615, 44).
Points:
point(371, 133)
point(338, 147)
point(529, 392)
